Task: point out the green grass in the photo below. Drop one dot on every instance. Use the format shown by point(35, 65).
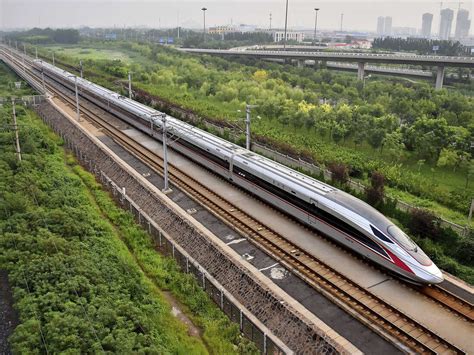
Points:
point(80, 52)
point(94, 279)
point(164, 273)
point(7, 83)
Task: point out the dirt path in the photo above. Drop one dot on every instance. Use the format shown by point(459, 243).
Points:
point(8, 315)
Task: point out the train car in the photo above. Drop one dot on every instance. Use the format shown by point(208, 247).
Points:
point(338, 215)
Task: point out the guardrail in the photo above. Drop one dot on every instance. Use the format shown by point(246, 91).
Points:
point(357, 57)
point(29, 100)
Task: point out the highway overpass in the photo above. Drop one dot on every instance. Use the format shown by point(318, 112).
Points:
point(440, 62)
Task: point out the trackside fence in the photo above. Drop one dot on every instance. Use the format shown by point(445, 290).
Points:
point(266, 342)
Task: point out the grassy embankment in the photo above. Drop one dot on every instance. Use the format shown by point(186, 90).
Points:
point(85, 277)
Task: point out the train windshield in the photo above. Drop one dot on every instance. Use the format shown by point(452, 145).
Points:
point(402, 238)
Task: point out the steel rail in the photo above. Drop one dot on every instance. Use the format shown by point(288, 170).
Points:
point(383, 318)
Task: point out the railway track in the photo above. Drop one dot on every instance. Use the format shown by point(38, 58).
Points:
point(381, 316)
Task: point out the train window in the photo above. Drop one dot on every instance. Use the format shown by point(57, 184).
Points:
point(315, 211)
point(402, 238)
point(380, 235)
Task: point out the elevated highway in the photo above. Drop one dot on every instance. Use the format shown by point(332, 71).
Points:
point(441, 62)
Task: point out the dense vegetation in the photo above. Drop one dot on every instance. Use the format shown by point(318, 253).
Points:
point(421, 46)
point(420, 139)
point(7, 84)
point(328, 118)
point(45, 36)
point(85, 277)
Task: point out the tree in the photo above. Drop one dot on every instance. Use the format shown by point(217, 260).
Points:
point(339, 172)
point(260, 75)
point(376, 136)
point(393, 145)
point(448, 158)
point(375, 193)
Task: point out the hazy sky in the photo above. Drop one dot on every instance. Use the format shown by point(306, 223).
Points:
point(361, 15)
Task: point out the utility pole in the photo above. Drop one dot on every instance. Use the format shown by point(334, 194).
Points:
point(286, 24)
point(315, 23)
point(42, 77)
point(178, 25)
point(15, 127)
point(78, 112)
point(270, 28)
point(36, 52)
point(204, 13)
point(23, 59)
point(248, 109)
point(470, 211)
point(166, 188)
point(81, 67)
point(342, 20)
point(54, 63)
point(130, 85)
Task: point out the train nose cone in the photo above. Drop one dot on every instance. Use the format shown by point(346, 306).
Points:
point(436, 276)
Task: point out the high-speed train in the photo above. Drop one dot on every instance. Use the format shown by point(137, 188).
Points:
point(330, 211)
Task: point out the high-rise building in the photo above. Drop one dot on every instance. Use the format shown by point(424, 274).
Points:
point(380, 25)
point(446, 23)
point(462, 24)
point(388, 26)
point(427, 20)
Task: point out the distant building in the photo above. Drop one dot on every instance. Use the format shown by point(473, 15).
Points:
point(380, 25)
point(388, 26)
point(446, 23)
point(426, 23)
point(462, 24)
point(404, 31)
point(278, 36)
point(222, 29)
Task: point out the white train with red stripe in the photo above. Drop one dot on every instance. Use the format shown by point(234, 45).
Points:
point(336, 214)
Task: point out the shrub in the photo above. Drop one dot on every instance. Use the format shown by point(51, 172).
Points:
point(340, 172)
point(375, 192)
point(424, 224)
point(465, 250)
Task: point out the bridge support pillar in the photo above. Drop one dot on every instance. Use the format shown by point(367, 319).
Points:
point(439, 77)
point(360, 71)
point(300, 63)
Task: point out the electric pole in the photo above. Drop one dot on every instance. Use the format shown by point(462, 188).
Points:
point(53, 60)
point(42, 77)
point(15, 127)
point(166, 188)
point(248, 109)
point(270, 21)
point(81, 67)
point(342, 19)
point(286, 25)
point(130, 85)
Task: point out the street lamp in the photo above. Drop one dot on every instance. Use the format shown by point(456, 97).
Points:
point(286, 24)
point(315, 24)
point(204, 14)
